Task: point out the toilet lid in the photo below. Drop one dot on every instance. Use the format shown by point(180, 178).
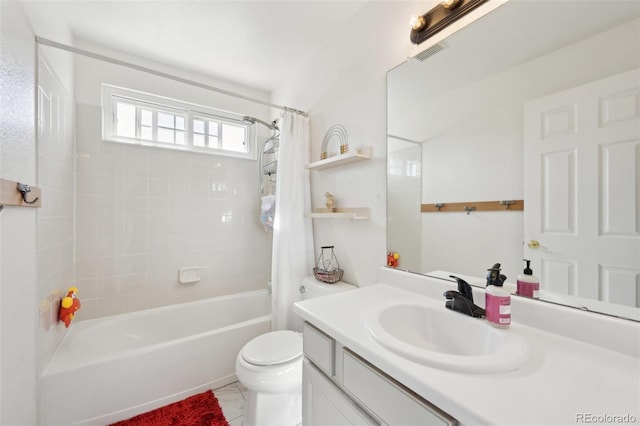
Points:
point(274, 347)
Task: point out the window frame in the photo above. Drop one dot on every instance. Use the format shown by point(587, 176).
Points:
point(111, 95)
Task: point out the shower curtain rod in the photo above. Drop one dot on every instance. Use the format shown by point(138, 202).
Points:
point(51, 43)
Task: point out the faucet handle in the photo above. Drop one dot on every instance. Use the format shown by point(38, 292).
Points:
point(464, 288)
point(459, 303)
point(462, 300)
point(450, 294)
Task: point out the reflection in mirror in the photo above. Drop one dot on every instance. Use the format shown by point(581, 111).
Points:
point(511, 110)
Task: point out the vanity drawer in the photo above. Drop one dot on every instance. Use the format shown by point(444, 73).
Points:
point(390, 401)
point(319, 348)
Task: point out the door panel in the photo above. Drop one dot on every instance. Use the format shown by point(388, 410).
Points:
point(582, 189)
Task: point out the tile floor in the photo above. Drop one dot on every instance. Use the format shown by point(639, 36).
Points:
point(232, 399)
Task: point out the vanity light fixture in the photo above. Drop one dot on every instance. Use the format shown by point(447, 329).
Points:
point(438, 18)
point(450, 4)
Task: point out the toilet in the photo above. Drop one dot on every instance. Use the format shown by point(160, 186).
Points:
point(270, 367)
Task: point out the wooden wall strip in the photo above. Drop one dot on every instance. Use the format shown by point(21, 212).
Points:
point(480, 206)
point(10, 196)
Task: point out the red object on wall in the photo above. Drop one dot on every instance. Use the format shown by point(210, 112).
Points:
point(392, 259)
point(68, 306)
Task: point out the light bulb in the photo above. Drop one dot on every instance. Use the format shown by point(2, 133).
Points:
point(450, 4)
point(417, 22)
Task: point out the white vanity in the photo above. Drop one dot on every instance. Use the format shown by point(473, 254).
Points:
point(575, 367)
point(342, 388)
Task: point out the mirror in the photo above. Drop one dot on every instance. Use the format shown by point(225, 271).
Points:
point(460, 131)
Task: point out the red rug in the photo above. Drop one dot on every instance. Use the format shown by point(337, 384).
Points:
point(197, 410)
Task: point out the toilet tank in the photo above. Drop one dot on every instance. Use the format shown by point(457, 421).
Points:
point(311, 288)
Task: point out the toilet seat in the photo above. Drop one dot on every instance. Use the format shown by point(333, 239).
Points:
point(276, 347)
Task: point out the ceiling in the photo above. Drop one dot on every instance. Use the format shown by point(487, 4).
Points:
point(255, 43)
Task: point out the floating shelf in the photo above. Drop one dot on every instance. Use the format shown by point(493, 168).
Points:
point(359, 154)
point(354, 213)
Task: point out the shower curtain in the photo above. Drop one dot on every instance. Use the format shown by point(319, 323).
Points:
point(293, 256)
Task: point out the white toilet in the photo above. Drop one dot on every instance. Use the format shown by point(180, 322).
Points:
point(270, 367)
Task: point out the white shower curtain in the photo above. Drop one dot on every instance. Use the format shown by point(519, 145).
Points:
point(293, 256)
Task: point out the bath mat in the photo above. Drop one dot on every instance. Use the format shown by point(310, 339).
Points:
point(197, 410)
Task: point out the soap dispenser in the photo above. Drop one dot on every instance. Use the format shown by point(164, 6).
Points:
point(528, 284)
point(497, 300)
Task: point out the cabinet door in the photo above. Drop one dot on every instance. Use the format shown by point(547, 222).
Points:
point(323, 404)
point(319, 348)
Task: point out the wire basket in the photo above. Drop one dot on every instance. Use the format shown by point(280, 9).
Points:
point(327, 269)
point(271, 146)
point(270, 168)
point(329, 277)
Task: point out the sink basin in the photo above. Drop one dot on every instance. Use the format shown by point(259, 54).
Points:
point(435, 336)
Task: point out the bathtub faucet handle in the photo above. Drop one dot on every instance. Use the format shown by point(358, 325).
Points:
point(302, 289)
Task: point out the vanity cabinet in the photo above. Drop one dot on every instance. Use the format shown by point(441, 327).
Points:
point(341, 388)
point(323, 403)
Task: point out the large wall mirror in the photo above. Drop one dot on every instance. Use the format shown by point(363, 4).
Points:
point(536, 101)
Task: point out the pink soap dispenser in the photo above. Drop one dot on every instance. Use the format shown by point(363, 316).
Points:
point(528, 284)
point(497, 300)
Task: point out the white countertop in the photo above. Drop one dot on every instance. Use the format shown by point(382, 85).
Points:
point(563, 378)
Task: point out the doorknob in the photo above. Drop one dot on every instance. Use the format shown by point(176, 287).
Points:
point(535, 244)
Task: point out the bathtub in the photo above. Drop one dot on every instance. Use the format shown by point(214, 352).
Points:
point(112, 368)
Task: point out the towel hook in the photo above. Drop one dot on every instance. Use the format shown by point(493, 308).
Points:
point(507, 203)
point(25, 189)
point(469, 209)
point(438, 206)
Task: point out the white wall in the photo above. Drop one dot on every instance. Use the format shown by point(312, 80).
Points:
point(24, 283)
point(17, 225)
point(345, 83)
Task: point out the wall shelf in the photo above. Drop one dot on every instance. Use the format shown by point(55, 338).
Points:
point(353, 213)
point(359, 154)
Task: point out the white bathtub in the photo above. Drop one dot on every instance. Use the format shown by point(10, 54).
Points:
point(112, 368)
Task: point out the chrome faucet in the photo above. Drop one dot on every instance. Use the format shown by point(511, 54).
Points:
point(462, 300)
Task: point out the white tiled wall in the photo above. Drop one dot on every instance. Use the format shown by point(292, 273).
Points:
point(142, 213)
point(55, 228)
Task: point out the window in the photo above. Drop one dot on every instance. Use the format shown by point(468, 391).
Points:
point(141, 118)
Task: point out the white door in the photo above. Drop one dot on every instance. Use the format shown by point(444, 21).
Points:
point(582, 189)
